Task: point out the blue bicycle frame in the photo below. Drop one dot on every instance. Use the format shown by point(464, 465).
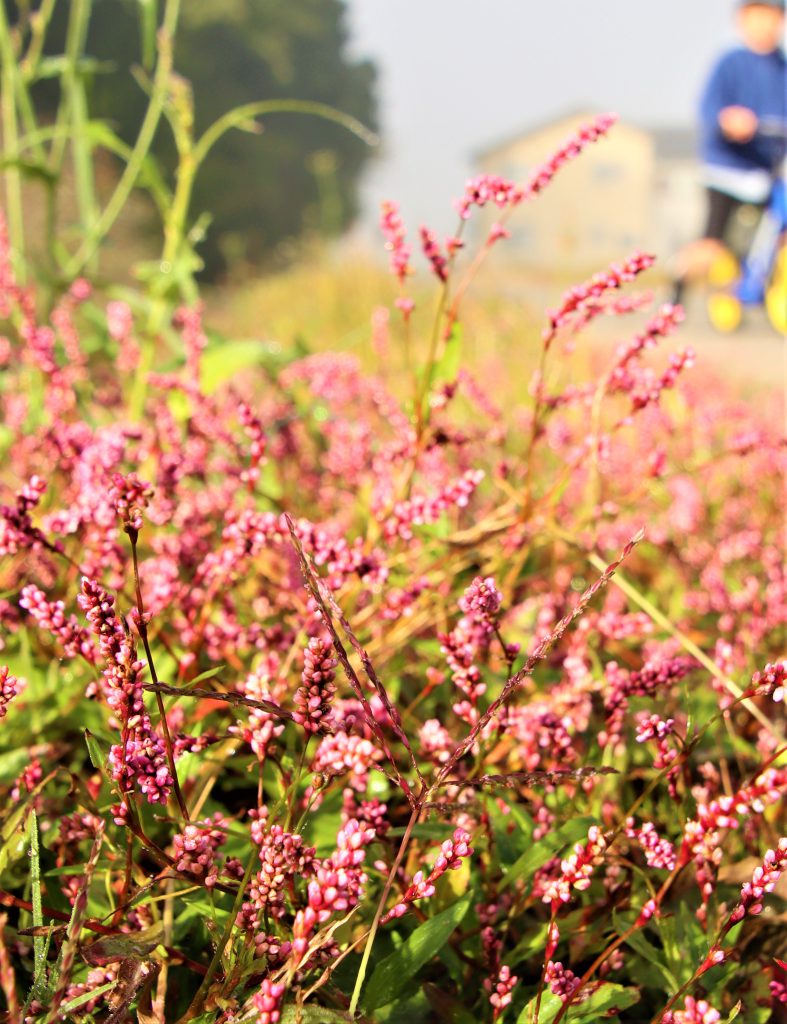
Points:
point(756, 270)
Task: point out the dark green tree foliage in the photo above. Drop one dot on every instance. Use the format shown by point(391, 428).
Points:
point(300, 173)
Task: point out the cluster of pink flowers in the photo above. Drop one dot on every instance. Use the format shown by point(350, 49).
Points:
point(576, 300)
point(337, 884)
point(663, 324)
point(762, 881)
point(346, 753)
point(661, 670)
point(561, 981)
point(421, 510)
point(357, 472)
point(653, 727)
point(482, 600)
point(17, 532)
point(188, 320)
point(252, 425)
point(140, 758)
point(469, 638)
point(314, 696)
point(130, 496)
point(10, 686)
point(338, 881)
point(393, 231)
point(51, 616)
point(659, 853)
point(695, 1011)
point(771, 681)
point(588, 133)
point(283, 857)
point(701, 835)
point(488, 188)
point(267, 1002)
point(452, 853)
point(195, 848)
point(500, 990)
point(431, 249)
point(576, 870)
point(648, 387)
point(261, 727)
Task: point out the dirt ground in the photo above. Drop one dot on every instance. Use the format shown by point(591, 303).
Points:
point(754, 357)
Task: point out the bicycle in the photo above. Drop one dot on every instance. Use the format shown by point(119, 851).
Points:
point(761, 278)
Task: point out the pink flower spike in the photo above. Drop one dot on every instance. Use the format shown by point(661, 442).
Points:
point(10, 686)
point(488, 188)
point(570, 149)
point(431, 249)
point(393, 231)
point(268, 1002)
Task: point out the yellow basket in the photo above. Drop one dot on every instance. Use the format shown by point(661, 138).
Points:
point(725, 312)
point(723, 270)
point(776, 294)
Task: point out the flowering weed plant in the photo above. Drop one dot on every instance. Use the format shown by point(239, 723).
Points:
point(325, 700)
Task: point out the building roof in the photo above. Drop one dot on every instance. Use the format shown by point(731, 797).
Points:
point(674, 143)
point(671, 142)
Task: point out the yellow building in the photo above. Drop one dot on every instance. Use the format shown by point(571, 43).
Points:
point(633, 189)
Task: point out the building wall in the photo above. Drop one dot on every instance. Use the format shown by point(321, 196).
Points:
point(621, 194)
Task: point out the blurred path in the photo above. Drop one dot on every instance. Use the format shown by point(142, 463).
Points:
point(755, 355)
point(752, 357)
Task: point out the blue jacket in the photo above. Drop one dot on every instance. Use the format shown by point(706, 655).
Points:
point(746, 79)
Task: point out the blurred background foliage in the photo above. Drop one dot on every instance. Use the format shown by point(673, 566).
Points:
point(299, 176)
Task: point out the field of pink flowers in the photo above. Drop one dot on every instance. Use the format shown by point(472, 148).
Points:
point(327, 700)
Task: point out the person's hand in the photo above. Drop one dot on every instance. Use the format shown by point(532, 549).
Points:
point(738, 123)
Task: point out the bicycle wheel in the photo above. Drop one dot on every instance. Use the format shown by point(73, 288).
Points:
point(725, 310)
point(723, 270)
point(776, 293)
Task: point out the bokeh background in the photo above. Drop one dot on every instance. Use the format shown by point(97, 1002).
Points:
point(452, 88)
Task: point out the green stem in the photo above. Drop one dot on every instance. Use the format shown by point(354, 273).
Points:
point(141, 148)
point(381, 907)
point(241, 116)
point(13, 179)
point(201, 993)
point(78, 115)
point(293, 790)
point(143, 632)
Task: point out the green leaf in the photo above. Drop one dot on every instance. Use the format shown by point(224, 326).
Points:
point(549, 1009)
point(542, 851)
point(92, 993)
point(209, 673)
point(413, 1009)
point(15, 818)
point(222, 363)
point(97, 757)
point(39, 941)
point(533, 941)
point(605, 1000)
point(111, 949)
point(447, 367)
point(640, 943)
point(312, 1015)
point(397, 971)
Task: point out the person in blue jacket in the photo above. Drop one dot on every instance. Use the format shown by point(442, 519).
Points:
point(747, 85)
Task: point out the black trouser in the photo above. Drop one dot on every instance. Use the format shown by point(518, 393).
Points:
point(722, 207)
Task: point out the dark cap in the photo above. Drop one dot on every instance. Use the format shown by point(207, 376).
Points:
point(778, 4)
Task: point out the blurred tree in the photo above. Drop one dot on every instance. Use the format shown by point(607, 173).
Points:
point(261, 191)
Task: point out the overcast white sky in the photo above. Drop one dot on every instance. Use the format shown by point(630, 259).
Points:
point(456, 75)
